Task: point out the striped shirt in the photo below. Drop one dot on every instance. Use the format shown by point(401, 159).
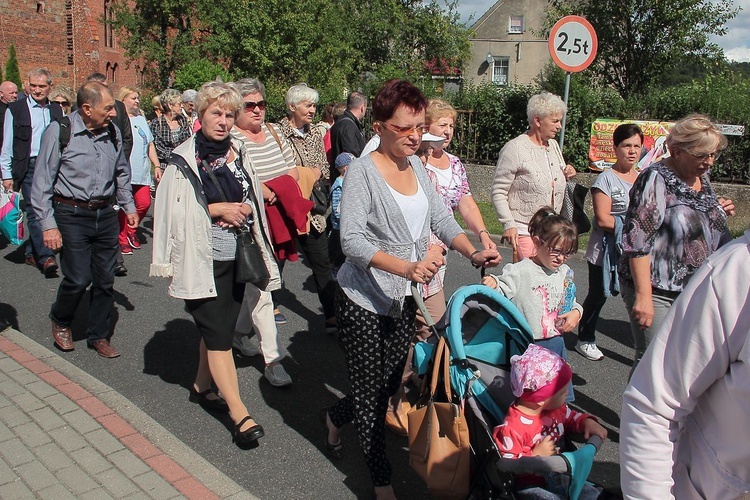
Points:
point(269, 161)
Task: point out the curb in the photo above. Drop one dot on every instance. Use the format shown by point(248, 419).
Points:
point(169, 457)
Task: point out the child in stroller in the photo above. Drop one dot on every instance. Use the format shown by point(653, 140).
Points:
point(539, 418)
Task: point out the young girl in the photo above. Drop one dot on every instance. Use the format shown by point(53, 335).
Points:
point(542, 287)
point(539, 418)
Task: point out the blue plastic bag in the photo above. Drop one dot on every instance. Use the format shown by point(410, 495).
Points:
point(11, 217)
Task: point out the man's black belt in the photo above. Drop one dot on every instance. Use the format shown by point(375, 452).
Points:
point(93, 204)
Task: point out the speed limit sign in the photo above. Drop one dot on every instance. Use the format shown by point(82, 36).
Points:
point(572, 43)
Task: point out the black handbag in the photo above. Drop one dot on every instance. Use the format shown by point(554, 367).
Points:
point(573, 203)
point(249, 265)
point(321, 199)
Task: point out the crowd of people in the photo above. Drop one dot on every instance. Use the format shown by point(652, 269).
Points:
point(371, 218)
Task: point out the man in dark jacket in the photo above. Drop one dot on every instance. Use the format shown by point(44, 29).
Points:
point(24, 123)
point(347, 134)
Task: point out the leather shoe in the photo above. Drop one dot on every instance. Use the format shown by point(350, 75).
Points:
point(63, 337)
point(121, 270)
point(104, 348)
point(248, 436)
point(217, 404)
point(31, 261)
point(50, 267)
point(397, 423)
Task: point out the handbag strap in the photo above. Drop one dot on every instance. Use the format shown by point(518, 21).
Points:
point(211, 174)
point(272, 131)
point(440, 366)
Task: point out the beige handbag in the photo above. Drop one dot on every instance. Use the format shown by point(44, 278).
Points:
point(438, 435)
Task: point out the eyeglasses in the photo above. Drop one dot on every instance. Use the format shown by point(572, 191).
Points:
point(62, 103)
point(705, 156)
point(406, 131)
point(558, 252)
point(250, 105)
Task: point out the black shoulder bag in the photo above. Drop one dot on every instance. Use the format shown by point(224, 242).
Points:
point(249, 265)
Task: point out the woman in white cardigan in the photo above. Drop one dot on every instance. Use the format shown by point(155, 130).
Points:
point(531, 172)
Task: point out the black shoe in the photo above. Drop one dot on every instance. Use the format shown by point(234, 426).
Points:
point(217, 405)
point(332, 450)
point(121, 270)
point(250, 436)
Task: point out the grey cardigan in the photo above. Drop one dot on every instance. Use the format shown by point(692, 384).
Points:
point(372, 221)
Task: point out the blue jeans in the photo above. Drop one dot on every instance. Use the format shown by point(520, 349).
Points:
point(88, 257)
point(35, 244)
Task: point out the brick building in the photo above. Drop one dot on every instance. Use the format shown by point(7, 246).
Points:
point(68, 37)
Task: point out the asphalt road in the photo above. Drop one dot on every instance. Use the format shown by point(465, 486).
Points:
point(159, 346)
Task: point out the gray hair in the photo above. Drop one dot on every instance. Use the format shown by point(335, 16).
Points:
point(300, 93)
point(92, 93)
point(168, 98)
point(543, 105)
point(355, 100)
point(189, 95)
point(224, 94)
point(247, 86)
point(37, 72)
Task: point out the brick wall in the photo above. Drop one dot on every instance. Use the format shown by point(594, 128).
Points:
point(65, 36)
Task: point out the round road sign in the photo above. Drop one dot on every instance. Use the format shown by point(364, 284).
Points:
point(572, 43)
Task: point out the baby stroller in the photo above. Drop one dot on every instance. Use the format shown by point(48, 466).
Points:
point(483, 330)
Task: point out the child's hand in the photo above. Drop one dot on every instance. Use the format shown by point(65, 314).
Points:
point(546, 447)
point(593, 428)
point(568, 321)
point(490, 282)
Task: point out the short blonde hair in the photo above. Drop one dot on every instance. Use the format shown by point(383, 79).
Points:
point(696, 134)
point(543, 105)
point(126, 91)
point(438, 108)
point(63, 91)
point(224, 94)
point(168, 98)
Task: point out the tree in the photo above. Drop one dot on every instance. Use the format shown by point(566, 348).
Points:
point(12, 73)
point(195, 73)
point(330, 45)
point(640, 41)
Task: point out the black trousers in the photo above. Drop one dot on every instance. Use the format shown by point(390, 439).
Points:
point(88, 257)
point(592, 305)
point(375, 349)
point(315, 247)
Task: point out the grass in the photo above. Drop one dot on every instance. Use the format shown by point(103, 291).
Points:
point(737, 224)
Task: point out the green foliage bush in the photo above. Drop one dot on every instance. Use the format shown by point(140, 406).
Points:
point(197, 72)
point(492, 115)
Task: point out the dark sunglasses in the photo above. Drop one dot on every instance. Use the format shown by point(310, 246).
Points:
point(62, 103)
point(250, 105)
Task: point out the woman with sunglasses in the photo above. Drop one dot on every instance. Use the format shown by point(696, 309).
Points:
point(64, 96)
point(388, 208)
point(674, 222)
point(270, 159)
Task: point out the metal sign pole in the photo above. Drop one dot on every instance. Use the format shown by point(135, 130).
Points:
point(565, 115)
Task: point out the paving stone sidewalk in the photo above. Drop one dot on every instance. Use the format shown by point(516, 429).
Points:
point(64, 434)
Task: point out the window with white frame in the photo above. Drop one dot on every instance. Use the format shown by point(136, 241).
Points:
point(515, 24)
point(500, 66)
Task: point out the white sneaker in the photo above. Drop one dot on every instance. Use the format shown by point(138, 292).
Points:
point(277, 376)
point(245, 345)
point(589, 351)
